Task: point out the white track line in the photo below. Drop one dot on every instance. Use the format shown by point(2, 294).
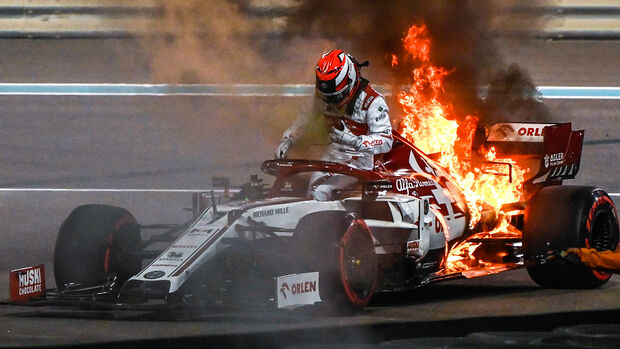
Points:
point(252, 90)
point(96, 190)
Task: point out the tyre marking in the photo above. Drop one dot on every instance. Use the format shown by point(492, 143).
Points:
point(599, 274)
point(106, 258)
point(598, 202)
point(106, 261)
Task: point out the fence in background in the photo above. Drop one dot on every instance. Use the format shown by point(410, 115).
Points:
point(562, 19)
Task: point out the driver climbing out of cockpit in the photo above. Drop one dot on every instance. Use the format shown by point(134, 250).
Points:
point(360, 123)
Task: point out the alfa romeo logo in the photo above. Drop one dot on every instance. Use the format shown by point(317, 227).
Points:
point(154, 274)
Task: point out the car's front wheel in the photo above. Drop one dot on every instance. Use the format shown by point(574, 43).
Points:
point(94, 245)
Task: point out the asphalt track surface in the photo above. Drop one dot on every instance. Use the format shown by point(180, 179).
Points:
point(181, 142)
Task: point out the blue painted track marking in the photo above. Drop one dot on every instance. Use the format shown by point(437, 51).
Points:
point(249, 90)
point(579, 92)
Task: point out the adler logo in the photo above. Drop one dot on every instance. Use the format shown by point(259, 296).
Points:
point(553, 159)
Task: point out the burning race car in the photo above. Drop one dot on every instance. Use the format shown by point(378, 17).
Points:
point(404, 224)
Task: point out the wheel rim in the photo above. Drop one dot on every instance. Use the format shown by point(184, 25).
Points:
point(603, 232)
point(357, 267)
point(602, 238)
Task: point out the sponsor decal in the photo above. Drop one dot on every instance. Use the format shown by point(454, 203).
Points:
point(208, 242)
point(372, 143)
point(174, 254)
point(380, 108)
point(287, 186)
point(407, 184)
point(27, 283)
point(165, 265)
point(505, 132)
point(185, 246)
point(284, 289)
point(368, 101)
point(530, 131)
point(379, 185)
point(201, 231)
point(516, 132)
point(321, 180)
point(298, 289)
point(198, 234)
point(270, 212)
point(553, 159)
point(413, 247)
point(156, 274)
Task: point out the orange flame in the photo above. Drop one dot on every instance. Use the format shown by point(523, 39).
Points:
point(394, 61)
point(429, 124)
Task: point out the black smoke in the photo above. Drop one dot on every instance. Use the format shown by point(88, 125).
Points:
point(464, 35)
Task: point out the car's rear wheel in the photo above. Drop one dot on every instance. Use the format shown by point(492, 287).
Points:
point(568, 216)
point(342, 250)
point(95, 244)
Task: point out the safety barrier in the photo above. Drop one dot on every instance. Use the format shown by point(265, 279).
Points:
point(563, 19)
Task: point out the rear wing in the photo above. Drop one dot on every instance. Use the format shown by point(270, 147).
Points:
point(551, 150)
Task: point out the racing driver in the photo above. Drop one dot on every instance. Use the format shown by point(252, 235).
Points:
point(358, 116)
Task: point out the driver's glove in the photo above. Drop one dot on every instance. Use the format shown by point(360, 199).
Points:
point(285, 144)
point(345, 136)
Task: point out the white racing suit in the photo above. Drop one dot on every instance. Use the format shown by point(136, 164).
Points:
point(356, 149)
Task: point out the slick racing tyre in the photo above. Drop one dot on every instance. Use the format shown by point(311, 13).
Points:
point(560, 217)
point(342, 250)
point(95, 245)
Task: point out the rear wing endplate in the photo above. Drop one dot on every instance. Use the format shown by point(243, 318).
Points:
point(556, 145)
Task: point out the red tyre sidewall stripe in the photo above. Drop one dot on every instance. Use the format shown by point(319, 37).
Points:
point(106, 258)
point(601, 275)
point(124, 220)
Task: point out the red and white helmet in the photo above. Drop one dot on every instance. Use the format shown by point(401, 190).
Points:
point(337, 76)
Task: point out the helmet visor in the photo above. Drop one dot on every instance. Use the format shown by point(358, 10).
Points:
point(334, 97)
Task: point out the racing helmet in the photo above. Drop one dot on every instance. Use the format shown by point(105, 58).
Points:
point(337, 76)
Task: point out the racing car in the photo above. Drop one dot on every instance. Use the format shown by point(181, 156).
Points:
point(394, 230)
